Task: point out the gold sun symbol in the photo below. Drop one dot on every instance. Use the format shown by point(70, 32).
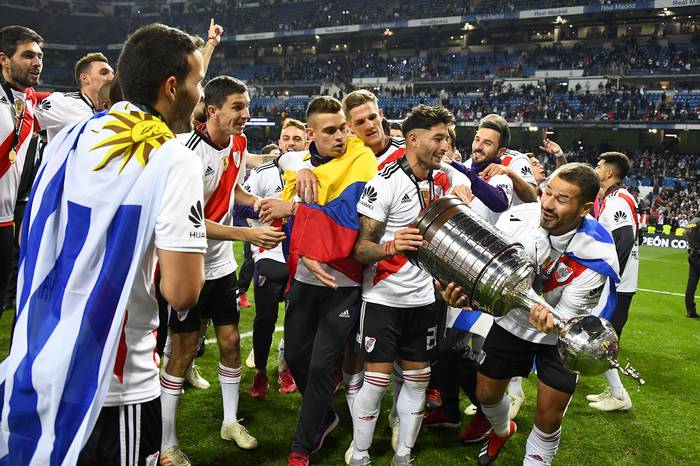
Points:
point(136, 135)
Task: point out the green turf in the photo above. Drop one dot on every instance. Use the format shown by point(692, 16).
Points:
point(661, 429)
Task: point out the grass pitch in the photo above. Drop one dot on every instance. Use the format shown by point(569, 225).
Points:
point(661, 429)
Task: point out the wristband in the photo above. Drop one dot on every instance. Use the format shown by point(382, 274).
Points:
point(390, 248)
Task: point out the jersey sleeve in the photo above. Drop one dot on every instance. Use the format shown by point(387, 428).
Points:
point(51, 112)
point(616, 214)
point(582, 295)
point(180, 224)
point(506, 184)
point(292, 161)
point(376, 199)
point(252, 184)
point(521, 167)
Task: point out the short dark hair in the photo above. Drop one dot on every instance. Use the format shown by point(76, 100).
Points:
point(82, 65)
point(396, 125)
point(150, 56)
point(12, 36)
point(425, 117)
point(583, 176)
point(619, 161)
point(115, 90)
point(498, 124)
point(323, 104)
point(268, 149)
point(219, 88)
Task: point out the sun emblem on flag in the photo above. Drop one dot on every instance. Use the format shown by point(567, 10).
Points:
point(136, 134)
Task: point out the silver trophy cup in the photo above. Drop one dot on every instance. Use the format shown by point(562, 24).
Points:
point(496, 275)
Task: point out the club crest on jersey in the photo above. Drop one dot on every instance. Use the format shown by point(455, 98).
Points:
point(224, 162)
point(563, 273)
point(425, 194)
point(237, 159)
point(369, 343)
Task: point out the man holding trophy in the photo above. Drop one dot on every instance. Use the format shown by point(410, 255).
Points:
point(572, 280)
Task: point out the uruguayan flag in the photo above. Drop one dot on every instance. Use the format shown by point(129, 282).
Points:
point(87, 227)
point(595, 249)
point(469, 321)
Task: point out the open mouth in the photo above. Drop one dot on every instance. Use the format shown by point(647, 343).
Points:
point(549, 217)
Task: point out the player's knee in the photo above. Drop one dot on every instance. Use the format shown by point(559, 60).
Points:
point(548, 420)
point(487, 395)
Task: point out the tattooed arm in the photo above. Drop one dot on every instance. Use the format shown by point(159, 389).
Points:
point(368, 249)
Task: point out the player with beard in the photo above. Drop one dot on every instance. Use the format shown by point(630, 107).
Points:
point(129, 425)
point(22, 61)
point(271, 275)
point(574, 272)
point(398, 317)
point(513, 164)
point(618, 214)
point(62, 109)
point(221, 147)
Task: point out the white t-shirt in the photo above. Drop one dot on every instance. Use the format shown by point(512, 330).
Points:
point(265, 181)
point(136, 368)
point(618, 210)
point(219, 260)
point(520, 164)
point(62, 109)
point(392, 198)
point(11, 171)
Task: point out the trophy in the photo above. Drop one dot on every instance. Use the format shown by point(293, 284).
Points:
point(496, 275)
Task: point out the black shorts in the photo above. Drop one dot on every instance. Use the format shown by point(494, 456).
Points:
point(125, 435)
point(506, 356)
point(217, 301)
point(387, 332)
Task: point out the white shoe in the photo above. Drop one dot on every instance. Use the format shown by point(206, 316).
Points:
point(516, 402)
point(470, 410)
point(236, 432)
point(250, 360)
point(611, 403)
point(600, 396)
point(348, 453)
point(173, 456)
point(394, 424)
point(194, 378)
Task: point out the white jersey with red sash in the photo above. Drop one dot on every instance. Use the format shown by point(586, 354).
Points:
point(395, 197)
point(223, 168)
point(619, 209)
point(579, 266)
point(520, 164)
point(16, 127)
point(392, 152)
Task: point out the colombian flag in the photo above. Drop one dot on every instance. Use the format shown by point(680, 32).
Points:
point(327, 231)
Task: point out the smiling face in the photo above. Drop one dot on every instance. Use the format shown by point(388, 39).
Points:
point(329, 132)
point(366, 122)
point(562, 206)
point(292, 139)
point(485, 146)
point(429, 145)
point(233, 114)
point(24, 67)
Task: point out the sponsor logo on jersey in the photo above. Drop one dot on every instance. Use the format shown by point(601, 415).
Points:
point(278, 189)
point(261, 280)
point(209, 171)
point(620, 216)
point(369, 194)
point(345, 314)
point(525, 171)
point(369, 343)
point(196, 215)
point(43, 105)
point(406, 198)
point(563, 273)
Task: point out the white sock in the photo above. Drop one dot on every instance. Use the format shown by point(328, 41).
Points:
point(498, 416)
point(396, 384)
point(230, 380)
point(170, 391)
point(353, 383)
point(411, 406)
point(365, 411)
point(541, 447)
point(615, 384)
point(167, 349)
point(515, 387)
point(280, 355)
